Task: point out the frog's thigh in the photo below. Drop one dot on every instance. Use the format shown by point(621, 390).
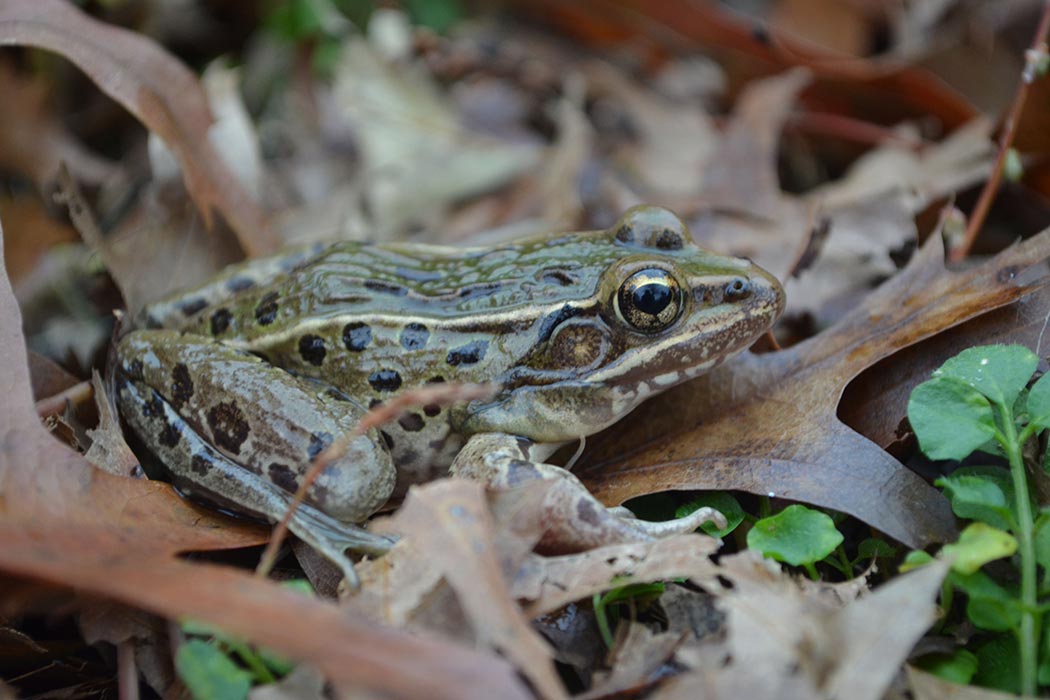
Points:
point(262, 422)
point(577, 520)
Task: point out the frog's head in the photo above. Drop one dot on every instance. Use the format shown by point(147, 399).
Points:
point(662, 311)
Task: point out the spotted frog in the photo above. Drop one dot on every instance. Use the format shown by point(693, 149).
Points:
point(237, 385)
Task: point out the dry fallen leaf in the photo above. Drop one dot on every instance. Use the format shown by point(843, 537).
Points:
point(768, 425)
point(65, 523)
point(155, 87)
point(926, 686)
point(785, 640)
point(450, 526)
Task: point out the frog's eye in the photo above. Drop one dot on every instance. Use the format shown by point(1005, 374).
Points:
point(649, 300)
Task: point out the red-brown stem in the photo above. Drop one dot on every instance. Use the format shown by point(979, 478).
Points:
point(1006, 138)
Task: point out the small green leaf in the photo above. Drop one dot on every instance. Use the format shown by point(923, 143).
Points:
point(874, 548)
point(989, 605)
point(913, 560)
point(979, 544)
point(999, 664)
point(977, 498)
point(950, 418)
point(958, 667)
point(999, 372)
point(209, 674)
point(721, 501)
point(796, 535)
point(1039, 402)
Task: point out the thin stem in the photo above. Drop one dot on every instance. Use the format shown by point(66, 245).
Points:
point(1029, 632)
point(1006, 138)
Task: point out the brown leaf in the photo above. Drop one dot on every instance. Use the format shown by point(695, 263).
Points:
point(450, 525)
point(638, 655)
point(875, 403)
point(926, 686)
point(33, 140)
point(157, 89)
point(551, 582)
point(788, 640)
point(767, 424)
point(65, 523)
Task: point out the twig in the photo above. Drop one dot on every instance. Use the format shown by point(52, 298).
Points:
point(441, 394)
point(1032, 58)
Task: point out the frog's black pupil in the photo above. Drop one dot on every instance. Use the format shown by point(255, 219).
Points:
point(652, 298)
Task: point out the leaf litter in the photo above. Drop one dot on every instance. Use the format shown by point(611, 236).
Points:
point(463, 575)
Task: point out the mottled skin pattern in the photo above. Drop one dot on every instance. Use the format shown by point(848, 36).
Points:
point(236, 385)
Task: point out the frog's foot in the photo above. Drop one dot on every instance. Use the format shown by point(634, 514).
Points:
point(576, 520)
point(201, 471)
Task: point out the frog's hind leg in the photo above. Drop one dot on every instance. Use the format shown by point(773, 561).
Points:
point(576, 520)
point(239, 432)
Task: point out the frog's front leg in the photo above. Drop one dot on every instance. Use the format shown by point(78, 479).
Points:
point(577, 520)
point(241, 432)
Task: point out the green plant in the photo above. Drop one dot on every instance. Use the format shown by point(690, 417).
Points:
point(606, 604)
point(977, 401)
point(797, 535)
point(206, 663)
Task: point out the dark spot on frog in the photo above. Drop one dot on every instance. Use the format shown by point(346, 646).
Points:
point(387, 440)
point(408, 457)
point(385, 380)
point(312, 350)
point(220, 321)
point(199, 464)
point(239, 284)
point(524, 446)
point(469, 354)
point(181, 385)
point(559, 277)
point(169, 435)
point(266, 311)
point(480, 290)
point(520, 471)
point(386, 287)
point(134, 370)
point(625, 234)
point(431, 410)
point(154, 408)
point(319, 442)
point(374, 404)
point(437, 445)
point(283, 476)
point(436, 380)
point(668, 240)
point(411, 422)
point(357, 336)
point(414, 336)
point(555, 319)
point(335, 394)
point(188, 307)
point(586, 511)
point(228, 426)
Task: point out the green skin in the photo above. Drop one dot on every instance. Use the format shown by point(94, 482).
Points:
point(237, 385)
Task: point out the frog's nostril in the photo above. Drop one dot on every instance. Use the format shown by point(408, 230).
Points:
point(738, 288)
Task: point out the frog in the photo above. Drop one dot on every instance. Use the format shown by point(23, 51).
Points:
point(237, 385)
